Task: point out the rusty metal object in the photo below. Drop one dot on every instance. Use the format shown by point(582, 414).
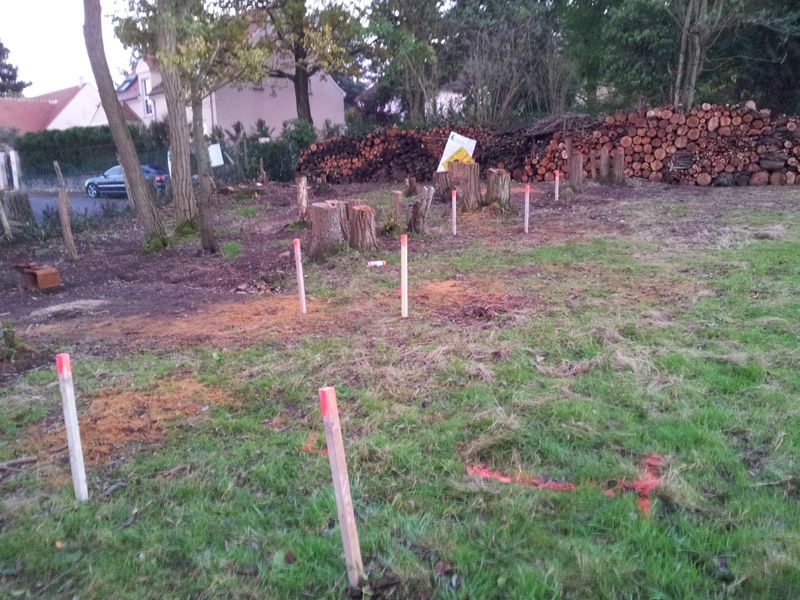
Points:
point(39, 277)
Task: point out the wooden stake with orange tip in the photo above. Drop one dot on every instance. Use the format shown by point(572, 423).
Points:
point(64, 368)
point(341, 486)
point(301, 286)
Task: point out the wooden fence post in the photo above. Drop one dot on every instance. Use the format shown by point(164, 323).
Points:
point(63, 213)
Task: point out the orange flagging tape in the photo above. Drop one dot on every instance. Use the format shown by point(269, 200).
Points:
point(309, 445)
point(644, 486)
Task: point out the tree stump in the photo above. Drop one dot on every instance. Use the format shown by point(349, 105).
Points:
point(63, 213)
point(619, 167)
point(348, 214)
point(419, 211)
point(397, 207)
point(410, 187)
point(362, 228)
point(302, 198)
point(327, 235)
point(605, 167)
point(498, 188)
point(442, 183)
point(471, 187)
point(576, 173)
point(18, 207)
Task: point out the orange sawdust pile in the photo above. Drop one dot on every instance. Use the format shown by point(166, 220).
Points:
point(115, 418)
point(225, 322)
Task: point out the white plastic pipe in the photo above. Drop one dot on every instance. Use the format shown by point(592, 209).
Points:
point(64, 368)
point(404, 275)
point(301, 286)
point(527, 205)
point(453, 211)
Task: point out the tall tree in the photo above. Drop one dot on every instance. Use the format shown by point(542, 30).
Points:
point(308, 40)
point(213, 49)
point(9, 84)
point(150, 29)
point(700, 23)
point(139, 191)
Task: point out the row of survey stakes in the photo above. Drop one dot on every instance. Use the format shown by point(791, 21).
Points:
point(336, 457)
point(327, 397)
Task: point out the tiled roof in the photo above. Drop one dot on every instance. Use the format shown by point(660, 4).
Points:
point(35, 114)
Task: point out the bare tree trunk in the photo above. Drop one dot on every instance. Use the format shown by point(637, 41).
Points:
point(63, 213)
point(301, 90)
point(175, 94)
point(685, 25)
point(420, 210)
point(207, 238)
point(138, 190)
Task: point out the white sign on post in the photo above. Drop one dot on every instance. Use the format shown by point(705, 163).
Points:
point(459, 148)
point(215, 154)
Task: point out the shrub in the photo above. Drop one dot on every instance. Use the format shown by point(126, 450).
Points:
point(298, 133)
point(232, 249)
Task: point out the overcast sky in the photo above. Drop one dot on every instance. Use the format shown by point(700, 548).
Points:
point(45, 38)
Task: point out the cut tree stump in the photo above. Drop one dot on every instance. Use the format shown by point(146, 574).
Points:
point(397, 207)
point(410, 187)
point(302, 197)
point(362, 227)
point(419, 211)
point(605, 165)
point(576, 173)
point(619, 167)
point(498, 188)
point(471, 187)
point(348, 214)
point(443, 183)
point(327, 234)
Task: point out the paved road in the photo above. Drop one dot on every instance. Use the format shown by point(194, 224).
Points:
point(79, 203)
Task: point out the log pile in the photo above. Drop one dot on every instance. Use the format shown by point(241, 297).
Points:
point(720, 145)
point(711, 144)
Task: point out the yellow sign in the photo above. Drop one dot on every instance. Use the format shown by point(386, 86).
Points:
point(460, 155)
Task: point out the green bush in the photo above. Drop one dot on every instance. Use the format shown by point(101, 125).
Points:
point(298, 133)
point(232, 249)
point(279, 159)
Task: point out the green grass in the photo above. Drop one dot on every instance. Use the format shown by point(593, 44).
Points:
point(711, 381)
point(232, 249)
point(248, 212)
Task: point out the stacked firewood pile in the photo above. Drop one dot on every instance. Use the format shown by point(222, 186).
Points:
point(711, 144)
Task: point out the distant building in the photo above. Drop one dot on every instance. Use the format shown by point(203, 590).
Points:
point(271, 100)
point(77, 106)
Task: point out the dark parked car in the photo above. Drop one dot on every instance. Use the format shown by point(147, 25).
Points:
point(111, 183)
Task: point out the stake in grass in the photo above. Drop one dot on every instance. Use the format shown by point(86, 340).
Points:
point(527, 205)
point(64, 368)
point(453, 217)
point(558, 180)
point(341, 485)
point(301, 286)
point(404, 275)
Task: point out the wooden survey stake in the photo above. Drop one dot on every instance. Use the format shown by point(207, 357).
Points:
point(64, 368)
point(341, 485)
point(527, 205)
point(404, 275)
point(301, 284)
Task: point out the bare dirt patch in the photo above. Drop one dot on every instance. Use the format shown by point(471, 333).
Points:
point(116, 418)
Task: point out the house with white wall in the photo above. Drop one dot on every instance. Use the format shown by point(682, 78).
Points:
point(271, 99)
point(76, 106)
